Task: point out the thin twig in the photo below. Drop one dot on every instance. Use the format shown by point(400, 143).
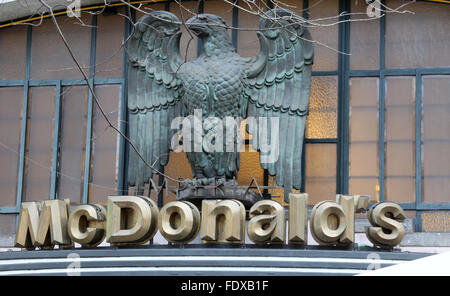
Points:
point(95, 96)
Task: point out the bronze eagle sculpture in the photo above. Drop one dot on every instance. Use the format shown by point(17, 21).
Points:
point(219, 83)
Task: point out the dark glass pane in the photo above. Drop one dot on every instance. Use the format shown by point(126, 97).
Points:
point(363, 137)
point(72, 143)
point(109, 52)
point(364, 38)
point(222, 9)
point(39, 143)
point(436, 139)
point(104, 145)
point(418, 39)
point(188, 42)
point(10, 126)
point(323, 19)
point(7, 223)
point(400, 137)
point(149, 8)
point(13, 50)
point(247, 40)
point(50, 58)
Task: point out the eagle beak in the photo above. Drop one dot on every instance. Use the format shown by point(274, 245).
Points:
point(196, 25)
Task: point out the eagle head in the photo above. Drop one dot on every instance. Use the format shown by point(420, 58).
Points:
point(212, 29)
point(204, 25)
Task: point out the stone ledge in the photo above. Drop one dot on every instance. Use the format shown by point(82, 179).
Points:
point(428, 239)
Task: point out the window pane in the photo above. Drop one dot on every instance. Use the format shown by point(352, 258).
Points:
point(72, 143)
point(421, 39)
point(178, 167)
point(294, 5)
point(40, 143)
point(436, 139)
point(364, 38)
point(7, 223)
point(50, 58)
point(149, 8)
point(10, 126)
point(363, 138)
point(320, 172)
point(13, 47)
point(222, 9)
point(323, 18)
point(188, 41)
point(250, 168)
point(109, 52)
point(247, 41)
point(400, 139)
point(104, 145)
point(322, 117)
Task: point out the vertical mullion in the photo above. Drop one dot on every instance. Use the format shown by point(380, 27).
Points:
point(122, 175)
point(343, 111)
point(381, 130)
point(381, 107)
point(235, 24)
point(24, 127)
point(305, 9)
point(382, 38)
point(269, 4)
point(303, 159)
point(87, 155)
point(418, 151)
point(56, 137)
point(201, 9)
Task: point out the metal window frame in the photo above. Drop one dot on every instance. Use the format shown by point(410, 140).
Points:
point(55, 153)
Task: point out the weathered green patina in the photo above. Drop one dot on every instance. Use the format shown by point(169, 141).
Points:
point(220, 83)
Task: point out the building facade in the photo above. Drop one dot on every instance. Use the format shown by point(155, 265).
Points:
point(379, 120)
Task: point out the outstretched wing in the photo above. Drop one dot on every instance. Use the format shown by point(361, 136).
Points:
point(154, 92)
point(277, 87)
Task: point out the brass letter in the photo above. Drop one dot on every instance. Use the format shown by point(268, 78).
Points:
point(223, 221)
point(347, 203)
point(388, 231)
point(327, 222)
point(298, 218)
point(87, 225)
point(131, 220)
point(42, 224)
point(267, 223)
point(179, 221)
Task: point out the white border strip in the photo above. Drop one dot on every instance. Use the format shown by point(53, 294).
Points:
point(199, 258)
point(191, 270)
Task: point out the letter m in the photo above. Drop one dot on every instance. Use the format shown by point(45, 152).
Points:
point(42, 224)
